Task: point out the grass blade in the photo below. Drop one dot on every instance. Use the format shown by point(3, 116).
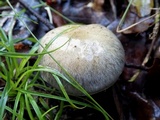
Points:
point(35, 107)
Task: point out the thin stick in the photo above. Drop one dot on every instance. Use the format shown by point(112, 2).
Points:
point(45, 21)
point(140, 67)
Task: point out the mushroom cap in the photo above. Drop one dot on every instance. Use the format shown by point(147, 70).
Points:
point(92, 54)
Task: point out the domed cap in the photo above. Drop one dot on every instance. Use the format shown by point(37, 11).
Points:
point(92, 54)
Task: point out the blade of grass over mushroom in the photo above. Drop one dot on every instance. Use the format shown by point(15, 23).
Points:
point(30, 32)
point(25, 80)
point(31, 52)
point(47, 70)
point(97, 106)
point(26, 60)
point(37, 61)
point(77, 86)
point(56, 74)
point(75, 83)
point(63, 90)
point(71, 81)
point(45, 95)
point(26, 25)
point(48, 45)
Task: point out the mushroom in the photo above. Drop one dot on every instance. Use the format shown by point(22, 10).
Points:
point(91, 54)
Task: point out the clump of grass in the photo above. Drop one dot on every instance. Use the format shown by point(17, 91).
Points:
point(26, 93)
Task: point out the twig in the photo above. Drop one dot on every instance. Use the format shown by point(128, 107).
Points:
point(154, 34)
point(45, 21)
point(140, 67)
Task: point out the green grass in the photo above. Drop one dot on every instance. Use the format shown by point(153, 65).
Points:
point(25, 92)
